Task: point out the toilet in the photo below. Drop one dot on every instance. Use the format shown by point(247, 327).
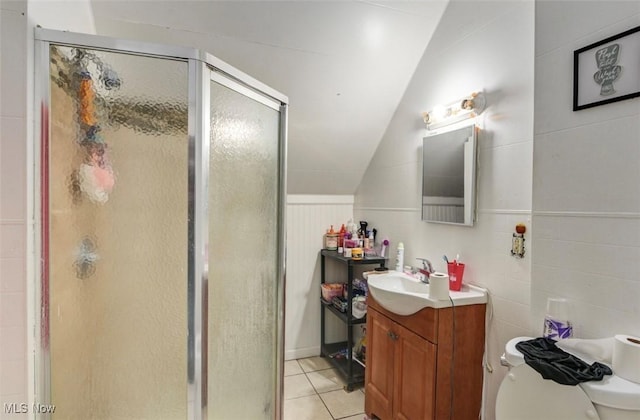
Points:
point(525, 395)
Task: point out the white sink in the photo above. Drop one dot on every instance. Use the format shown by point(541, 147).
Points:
point(404, 295)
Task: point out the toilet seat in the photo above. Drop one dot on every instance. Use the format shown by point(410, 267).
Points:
point(512, 354)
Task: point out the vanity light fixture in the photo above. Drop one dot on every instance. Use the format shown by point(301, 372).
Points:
point(468, 107)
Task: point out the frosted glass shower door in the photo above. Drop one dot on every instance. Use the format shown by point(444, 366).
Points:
point(115, 205)
point(244, 196)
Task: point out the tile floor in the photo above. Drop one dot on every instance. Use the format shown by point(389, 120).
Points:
point(313, 390)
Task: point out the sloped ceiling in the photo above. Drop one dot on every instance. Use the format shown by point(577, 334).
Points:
point(344, 66)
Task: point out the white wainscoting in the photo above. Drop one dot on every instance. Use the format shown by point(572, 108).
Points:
point(308, 218)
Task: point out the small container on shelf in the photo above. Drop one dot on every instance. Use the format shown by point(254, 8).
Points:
point(331, 290)
point(339, 303)
point(331, 240)
point(357, 253)
point(359, 308)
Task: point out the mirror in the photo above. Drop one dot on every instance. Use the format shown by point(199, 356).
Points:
point(449, 177)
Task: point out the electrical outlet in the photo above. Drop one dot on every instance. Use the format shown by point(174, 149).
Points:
point(517, 245)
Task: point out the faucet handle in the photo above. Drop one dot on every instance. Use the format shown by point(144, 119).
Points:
point(426, 264)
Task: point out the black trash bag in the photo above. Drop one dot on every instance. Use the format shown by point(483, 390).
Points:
point(553, 363)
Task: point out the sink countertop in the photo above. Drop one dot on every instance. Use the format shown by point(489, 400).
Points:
point(403, 294)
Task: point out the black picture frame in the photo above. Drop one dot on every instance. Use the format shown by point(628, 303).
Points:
point(607, 71)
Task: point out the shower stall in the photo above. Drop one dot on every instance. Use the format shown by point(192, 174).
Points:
point(159, 233)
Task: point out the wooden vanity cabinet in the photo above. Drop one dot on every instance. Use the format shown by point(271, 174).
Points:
point(409, 363)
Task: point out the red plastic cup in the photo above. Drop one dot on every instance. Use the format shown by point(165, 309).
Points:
point(456, 271)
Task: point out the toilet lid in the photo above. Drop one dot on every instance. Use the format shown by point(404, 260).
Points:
point(614, 391)
point(512, 354)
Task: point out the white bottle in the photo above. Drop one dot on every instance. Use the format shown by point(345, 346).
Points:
point(400, 257)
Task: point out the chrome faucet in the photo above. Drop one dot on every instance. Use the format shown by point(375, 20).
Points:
point(426, 270)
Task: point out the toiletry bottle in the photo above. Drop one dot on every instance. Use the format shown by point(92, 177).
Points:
point(352, 228)
point(363, 229)
point(341, 236)
point(400, 257)
point(371, 240)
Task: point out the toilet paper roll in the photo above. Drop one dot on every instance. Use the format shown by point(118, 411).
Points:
point(626, 357)
point(439, 286)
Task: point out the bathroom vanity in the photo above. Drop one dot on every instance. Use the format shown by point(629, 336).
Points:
point(427, 365)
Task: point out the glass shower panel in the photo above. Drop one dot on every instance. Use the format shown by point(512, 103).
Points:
point(243, 256)
point(118, 161)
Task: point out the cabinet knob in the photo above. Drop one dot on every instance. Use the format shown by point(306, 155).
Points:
point(392, 335)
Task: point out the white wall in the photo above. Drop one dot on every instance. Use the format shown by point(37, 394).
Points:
point(13, 202)
point(308, 218)
point(586, 195)
point(18, 20)
point(64, 15)
point(477, 46)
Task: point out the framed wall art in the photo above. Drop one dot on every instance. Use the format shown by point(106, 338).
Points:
point(607, 71)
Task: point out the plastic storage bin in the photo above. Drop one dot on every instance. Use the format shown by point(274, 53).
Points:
point(331, 290)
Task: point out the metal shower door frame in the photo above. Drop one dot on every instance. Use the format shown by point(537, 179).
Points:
point(202, 68)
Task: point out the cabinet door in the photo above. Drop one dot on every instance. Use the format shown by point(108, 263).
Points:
point(380, 365)
point(415, 376)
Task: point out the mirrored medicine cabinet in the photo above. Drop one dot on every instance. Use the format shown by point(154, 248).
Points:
point(449, 176)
